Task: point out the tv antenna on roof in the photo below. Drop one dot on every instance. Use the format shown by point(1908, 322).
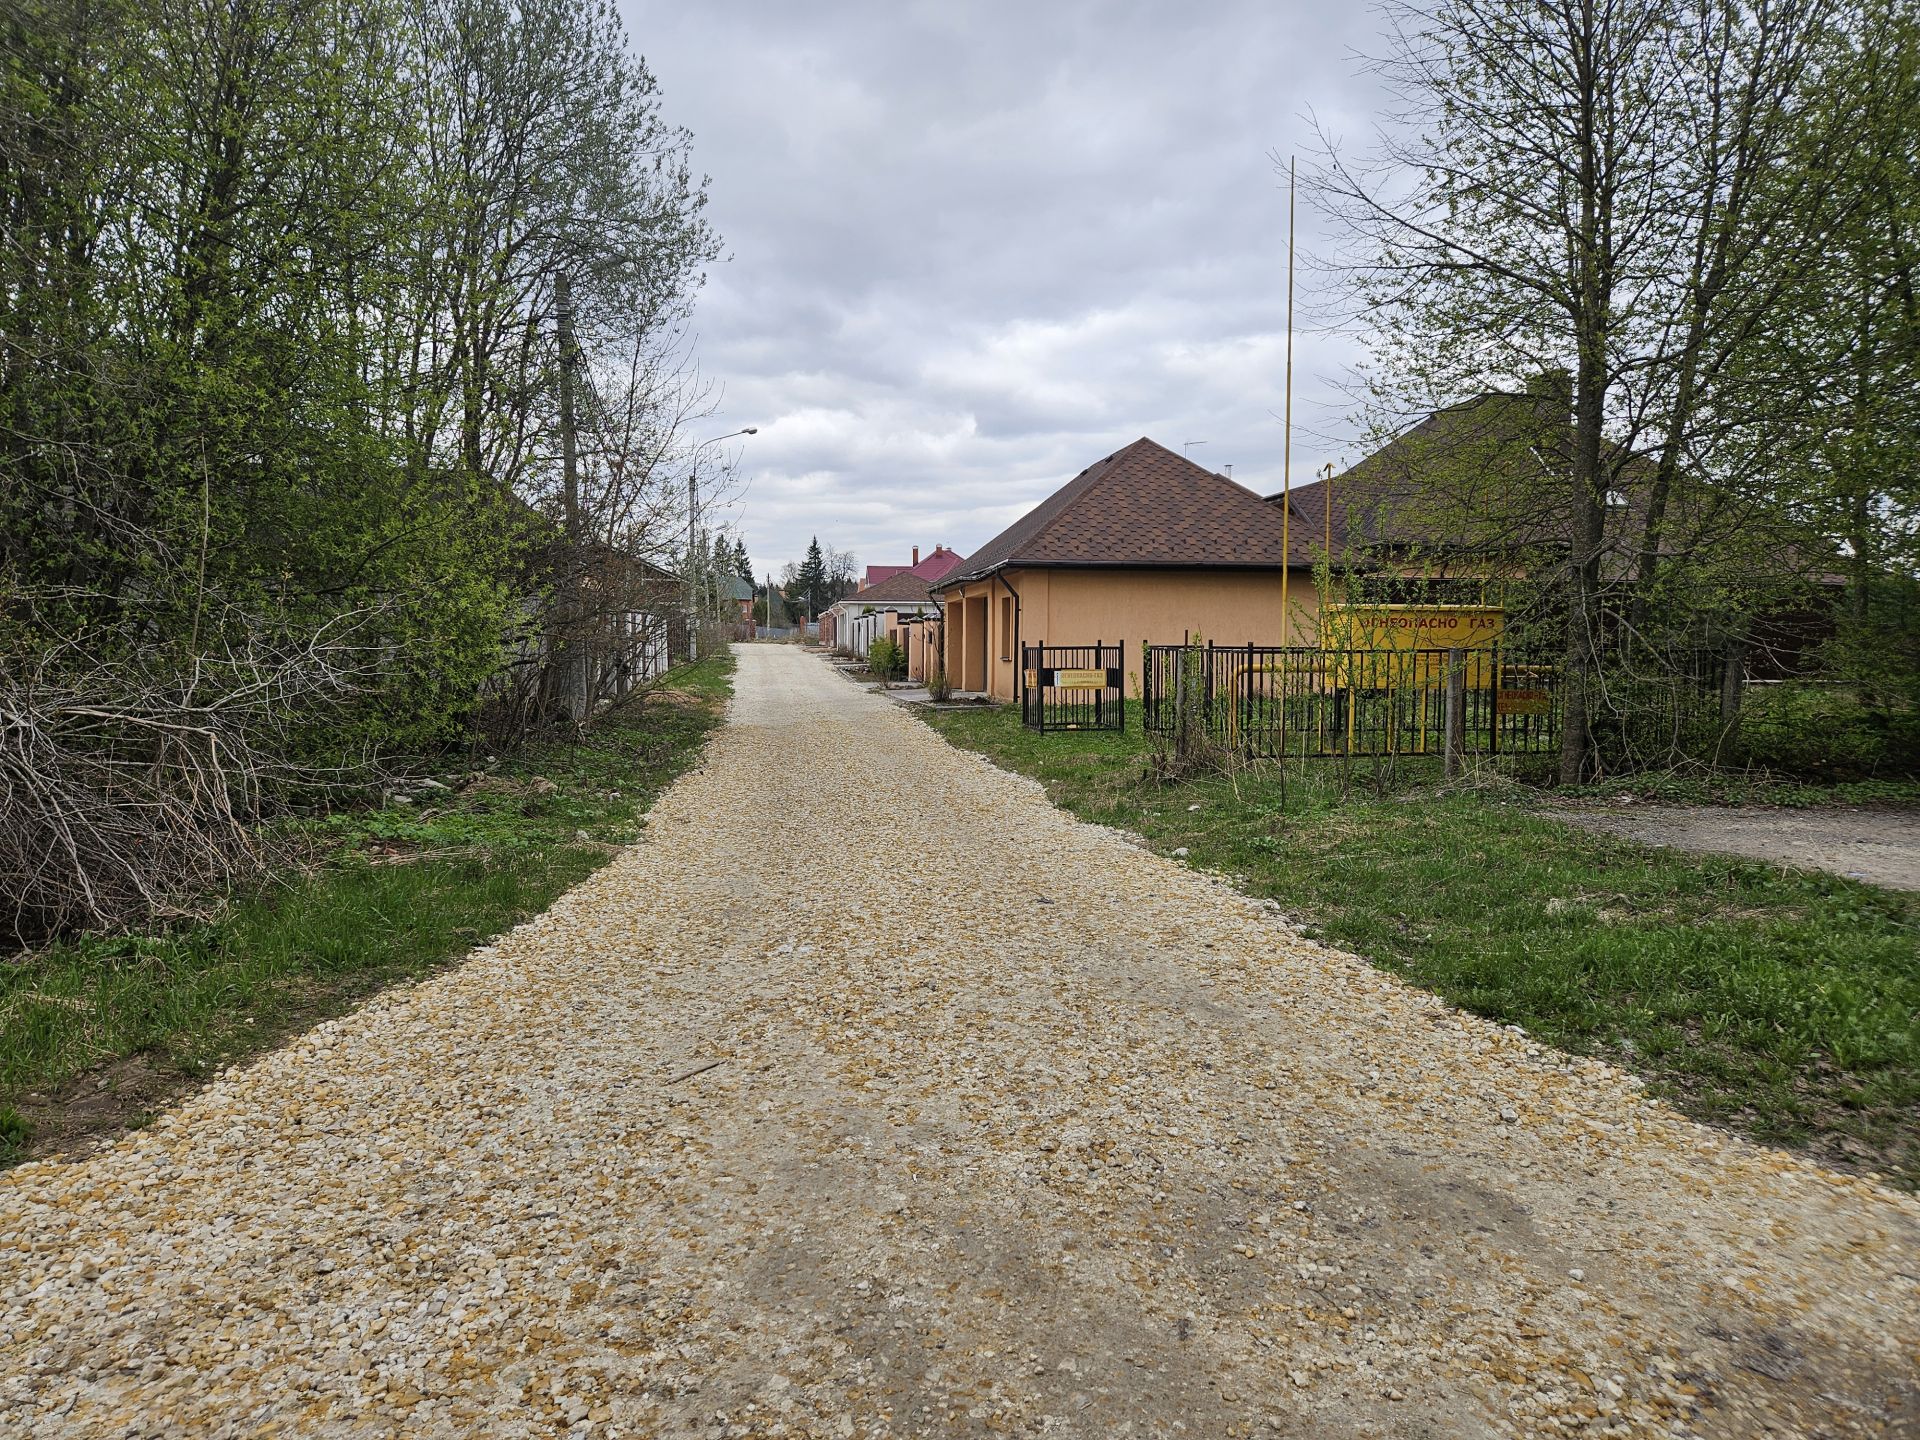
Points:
point(1190, 444)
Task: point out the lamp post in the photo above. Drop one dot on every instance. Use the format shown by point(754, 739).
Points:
point(693, 530)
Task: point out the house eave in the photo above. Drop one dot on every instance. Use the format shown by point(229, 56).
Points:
point(1255, 566)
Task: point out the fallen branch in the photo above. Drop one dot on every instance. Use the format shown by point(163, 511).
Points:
point(697, 1070)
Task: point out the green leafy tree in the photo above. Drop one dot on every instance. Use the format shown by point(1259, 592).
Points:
point(1835, 377)
point(278, 352)
point(276, 313)
point(1609, 193)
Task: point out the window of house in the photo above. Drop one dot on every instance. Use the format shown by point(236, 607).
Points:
point(1006, 628)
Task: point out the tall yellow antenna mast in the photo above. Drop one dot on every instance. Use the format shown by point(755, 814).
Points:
point(1327, 477)
point(1286, 462)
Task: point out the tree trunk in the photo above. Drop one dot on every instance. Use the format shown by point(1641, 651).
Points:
point(1733, 681)
point(1584, 619)
point(570, 653)
point(1592, 295)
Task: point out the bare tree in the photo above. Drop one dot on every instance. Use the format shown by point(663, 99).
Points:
point(545, 153)
point(1574, 188)
point(842, 572)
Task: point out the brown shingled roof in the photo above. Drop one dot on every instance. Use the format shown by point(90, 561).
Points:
point(1490, 456)
point(1141, 506)
point(1497, 458)
point(900, 587)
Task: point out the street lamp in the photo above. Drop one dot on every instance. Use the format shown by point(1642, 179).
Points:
point(693, 522)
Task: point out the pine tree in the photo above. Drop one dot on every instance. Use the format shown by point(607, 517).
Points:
point(811, 580)
point(742, 566)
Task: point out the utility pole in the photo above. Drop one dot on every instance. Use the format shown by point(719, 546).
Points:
point(573, 647)
point(693, 583)
point(695, 586)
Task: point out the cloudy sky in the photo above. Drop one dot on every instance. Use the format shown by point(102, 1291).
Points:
point(974, 246)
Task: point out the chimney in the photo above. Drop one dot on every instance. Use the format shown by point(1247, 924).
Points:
point(916, 554)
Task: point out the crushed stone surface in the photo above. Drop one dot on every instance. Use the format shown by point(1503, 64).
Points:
point(1015, 1129)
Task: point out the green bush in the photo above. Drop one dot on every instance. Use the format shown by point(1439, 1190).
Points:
point(886, 659)
point(1826, 731)
point(15, 1133)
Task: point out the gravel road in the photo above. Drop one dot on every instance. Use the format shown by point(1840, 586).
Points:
point(1010, 1128)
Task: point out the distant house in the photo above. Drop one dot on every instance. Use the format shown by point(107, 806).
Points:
point(631, 622)
point(1470, 491)
point(934, 567)
point(1143, 546)
point(636, 607)
point(740, 592)
point(861, 618)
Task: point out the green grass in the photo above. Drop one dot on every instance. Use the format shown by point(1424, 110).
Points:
point(392, 894)
point(15, 1135)
point(1783, 1004)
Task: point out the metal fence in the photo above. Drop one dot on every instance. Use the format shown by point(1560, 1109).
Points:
point(1072, 687)
point(1267, 701)
point(1650, 709)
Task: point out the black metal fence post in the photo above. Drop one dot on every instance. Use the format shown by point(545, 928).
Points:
point(1147, 712)
point(1353, 702)
point(1099, 655)
point(1493, 701)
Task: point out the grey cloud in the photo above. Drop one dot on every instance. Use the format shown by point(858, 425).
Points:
point(975, 247)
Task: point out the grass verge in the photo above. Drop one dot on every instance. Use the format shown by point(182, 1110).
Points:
point(1783, 1004)
point(99, 1032)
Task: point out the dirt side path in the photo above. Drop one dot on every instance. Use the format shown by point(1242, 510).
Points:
point(1016, 1130)
point(1879, 846)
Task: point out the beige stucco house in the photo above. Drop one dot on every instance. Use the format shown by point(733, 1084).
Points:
point(1143, 547)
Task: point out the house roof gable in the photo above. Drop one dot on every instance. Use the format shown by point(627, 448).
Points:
point(1500, 458)
point(938, 565)
point(900, 587)
point(1141, 506)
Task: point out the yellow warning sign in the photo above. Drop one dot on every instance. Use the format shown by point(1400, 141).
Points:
point(1415, 631)
point(1411, 627)
point(1079, 679)
point(1523, 702)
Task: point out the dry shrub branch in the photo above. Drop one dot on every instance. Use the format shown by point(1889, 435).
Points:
point(130, 790)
